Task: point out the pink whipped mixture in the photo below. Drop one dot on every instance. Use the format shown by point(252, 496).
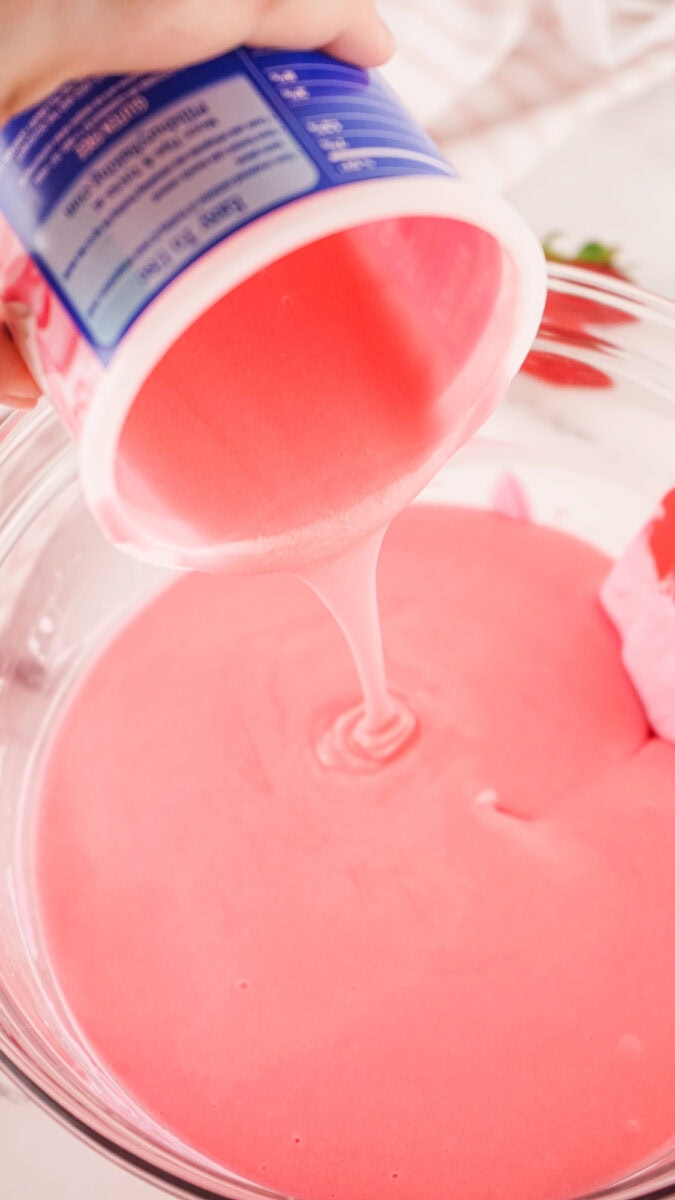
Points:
point(450, 977)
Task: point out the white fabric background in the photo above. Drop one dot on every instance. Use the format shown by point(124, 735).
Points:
point(502, 82)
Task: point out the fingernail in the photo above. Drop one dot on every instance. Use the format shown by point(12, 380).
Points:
point(11, 400)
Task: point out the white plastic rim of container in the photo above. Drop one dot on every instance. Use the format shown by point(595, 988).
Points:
point(263, 302)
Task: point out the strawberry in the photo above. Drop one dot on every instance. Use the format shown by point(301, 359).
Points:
point(564, 372)
point(568, 318)
point(578, 311)
point(662, 539)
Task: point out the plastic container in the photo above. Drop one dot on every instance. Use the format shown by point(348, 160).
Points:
point(593, 461)
point(261, 300)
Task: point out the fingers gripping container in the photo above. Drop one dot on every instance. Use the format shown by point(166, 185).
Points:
point(260, 298)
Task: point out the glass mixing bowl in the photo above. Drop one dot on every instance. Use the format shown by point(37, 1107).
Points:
point(591, 437)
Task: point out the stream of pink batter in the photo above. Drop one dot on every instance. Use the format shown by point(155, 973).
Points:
point(452, 977)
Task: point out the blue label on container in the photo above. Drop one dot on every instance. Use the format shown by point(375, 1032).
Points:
point(116, 184)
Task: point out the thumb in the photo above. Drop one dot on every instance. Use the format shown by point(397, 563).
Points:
point(368, 42)
point(18, 389)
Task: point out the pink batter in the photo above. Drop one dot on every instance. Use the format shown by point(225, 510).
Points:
point(449, 977)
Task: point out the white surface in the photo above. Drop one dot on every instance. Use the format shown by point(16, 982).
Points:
point(616, 180)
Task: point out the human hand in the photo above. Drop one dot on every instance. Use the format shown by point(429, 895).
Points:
point(18, 389)
point(45, 42)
